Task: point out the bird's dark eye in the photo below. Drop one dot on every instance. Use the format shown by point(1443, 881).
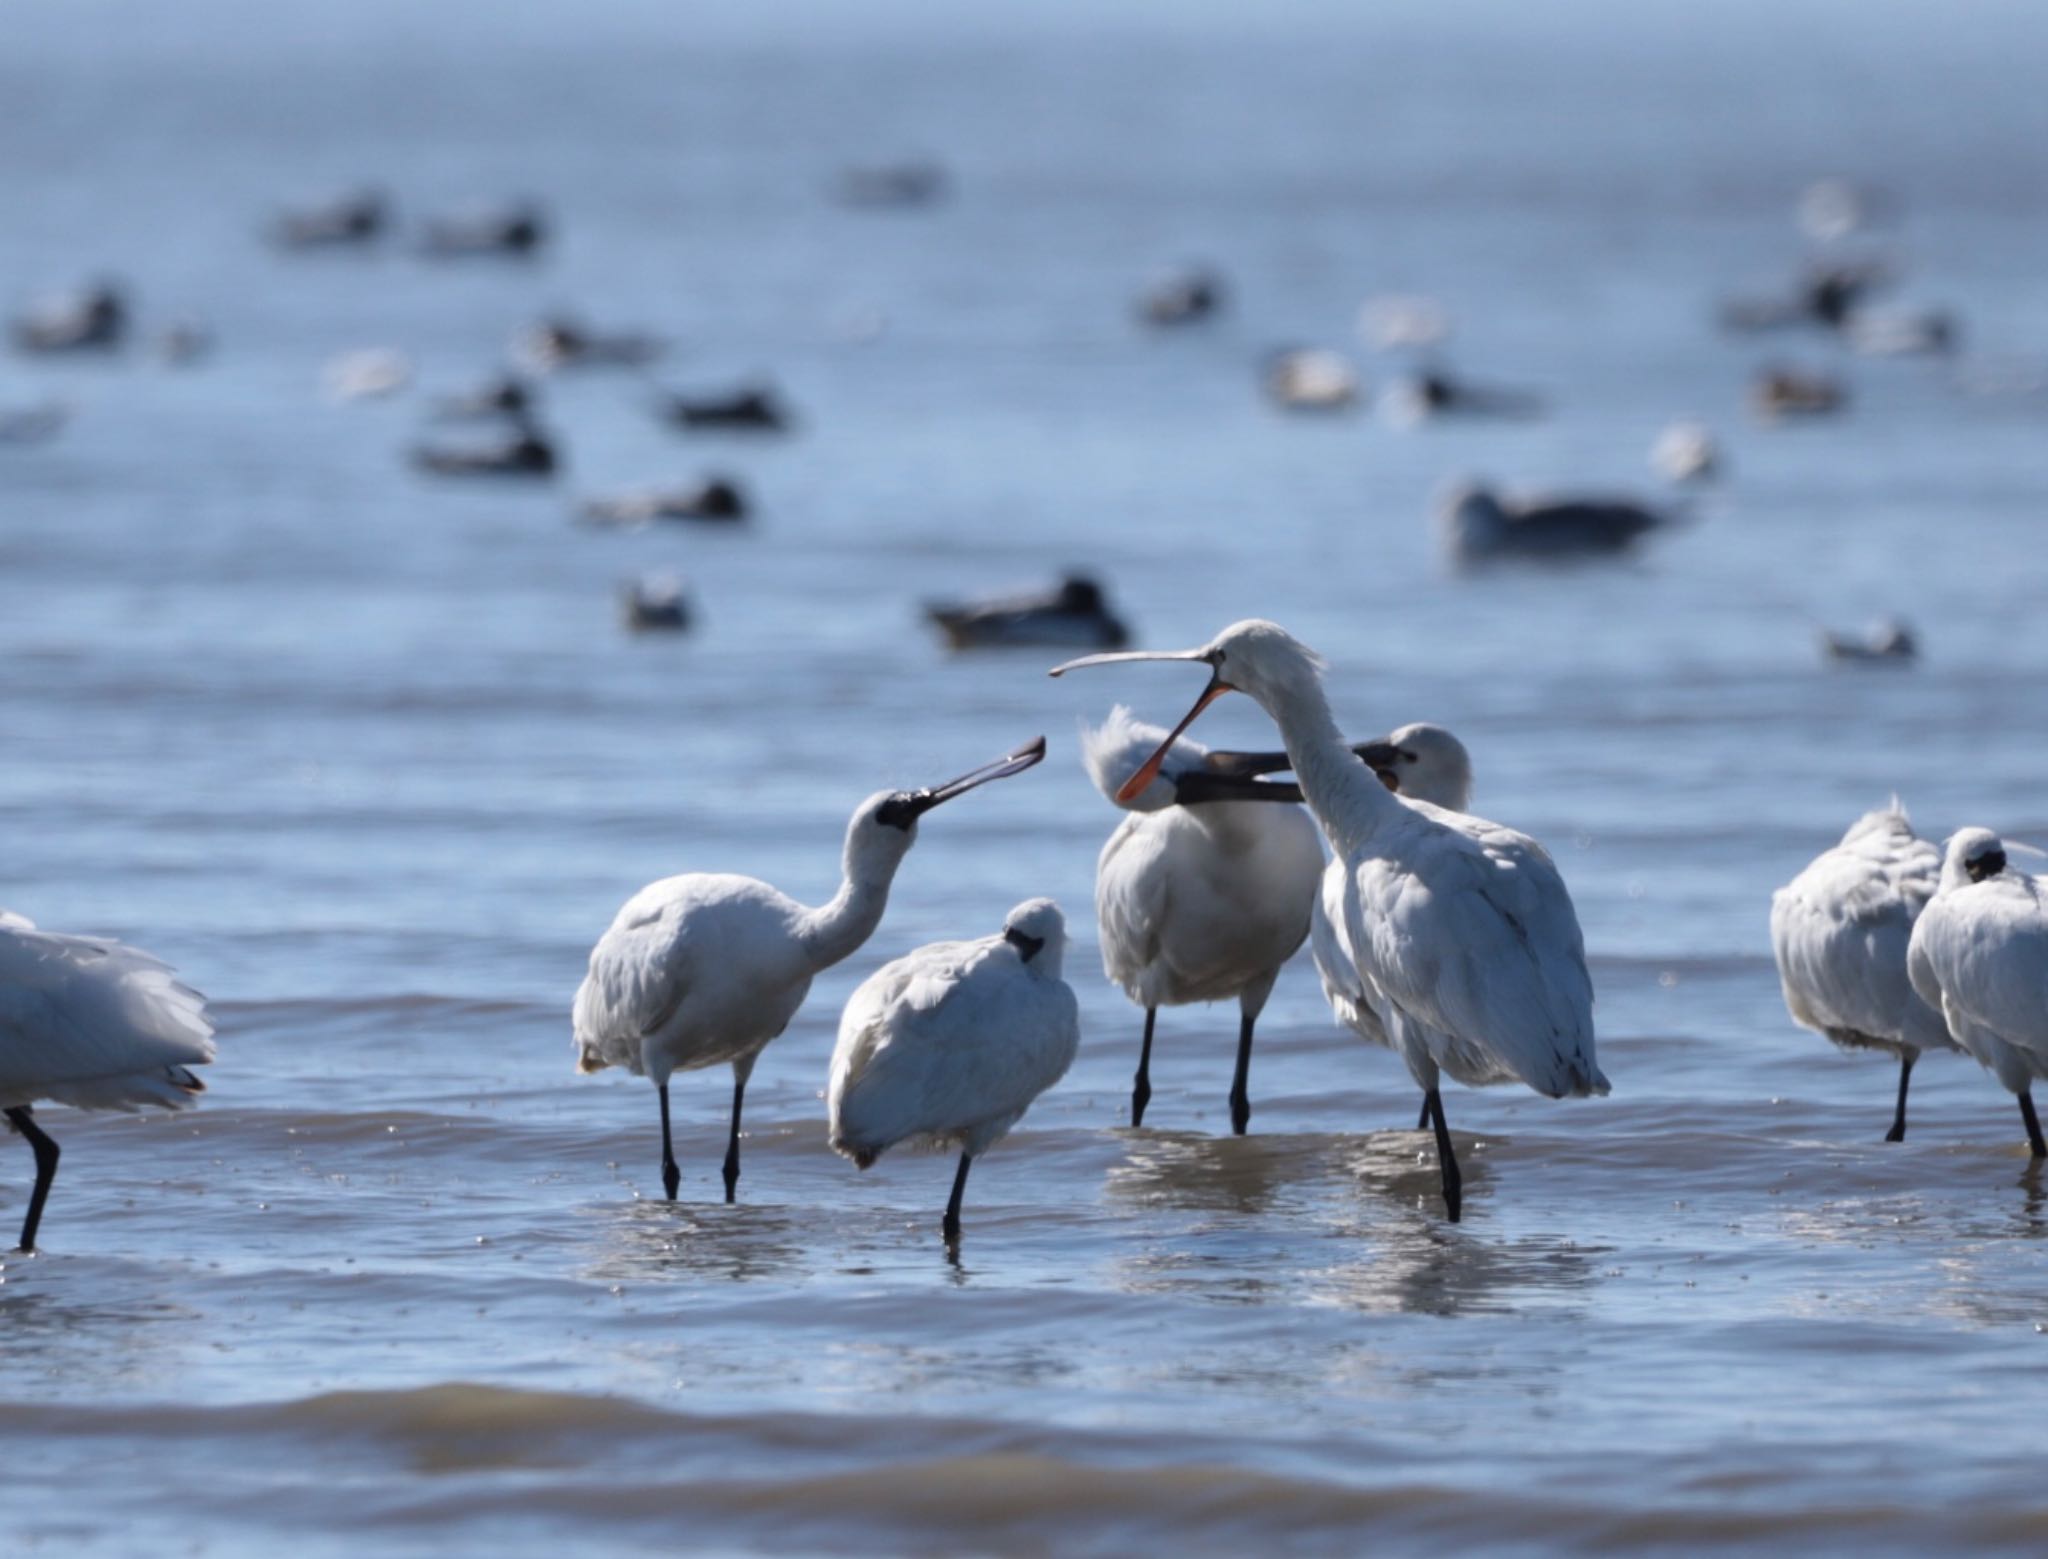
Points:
point(897, 812)
point(1989, 864)
point(1406, 756)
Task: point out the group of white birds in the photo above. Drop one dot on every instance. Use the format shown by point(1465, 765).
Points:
point(1439, 935)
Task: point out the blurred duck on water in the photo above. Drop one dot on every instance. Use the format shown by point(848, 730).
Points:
point(1076, 611)
point(1476, 525)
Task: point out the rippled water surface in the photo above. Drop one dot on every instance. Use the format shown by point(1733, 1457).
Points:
point(372, 763)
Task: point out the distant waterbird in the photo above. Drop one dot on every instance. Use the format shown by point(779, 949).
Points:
point(517, 230)
point(1203, 892)
point(353, 219)
point(1979, 955)
point(1182, 297)
point(1839, 932)
point(948, 1046)
point(93, 319)
point(749, 408)
point(715, 498)
point(1464, 937)
point(1887, 642)
point(1477, 525)
point(1687, 451)
point(1073, 613)
point(706, 968)
point(95, 1024)
point(524, 451)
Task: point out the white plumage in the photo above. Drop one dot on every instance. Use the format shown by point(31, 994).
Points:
point(1462, 933)
point(1420, 762)
point(1201, 901)
point(91, 1023)
point(1979, 953)
point(706, 968)
point(1840, 931)
point(947, 1046)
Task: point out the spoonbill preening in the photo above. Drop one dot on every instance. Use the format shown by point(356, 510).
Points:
point(1463, 934)
point(1840, 931)
point(94, 1024)
point(1979, 954)
point(947, 1047)
point(706, 968)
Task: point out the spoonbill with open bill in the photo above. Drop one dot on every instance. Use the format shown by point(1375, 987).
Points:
point(1463, 934)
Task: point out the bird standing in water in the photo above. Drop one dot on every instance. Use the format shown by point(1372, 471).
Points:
point(1463, 935)
point(94, 1024)
point(706, 968)
point(1203, 892)
point(948, 1046)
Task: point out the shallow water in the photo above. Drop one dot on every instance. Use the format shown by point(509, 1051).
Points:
point(369, 760)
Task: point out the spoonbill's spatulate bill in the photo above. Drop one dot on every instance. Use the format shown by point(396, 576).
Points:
point(1463, 935)
point(947, 1046)
point(706, 968)
point(1979, 954)
point(93, 1024)
point(1204, 892)
point(1840, 930)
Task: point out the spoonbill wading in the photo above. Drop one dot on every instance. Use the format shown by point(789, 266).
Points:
point(1203, 892)
point(91, 1023)
point(1840, 930)
point(1979, 954)
point(948, 1046)
point(1462, 934)
point(706, 968)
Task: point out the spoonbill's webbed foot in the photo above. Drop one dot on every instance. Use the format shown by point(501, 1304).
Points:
point(2026, 1114)
point(1447, 1161)
point(732, 1147)
point(46, 1151)
point(950, 1227)
point(1898, 1131)
point(1240, 1084)
point(671, 1177)
point(1141, 1087)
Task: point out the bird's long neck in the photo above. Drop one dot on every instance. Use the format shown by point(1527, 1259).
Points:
point(1346, 797)
point(836, 930)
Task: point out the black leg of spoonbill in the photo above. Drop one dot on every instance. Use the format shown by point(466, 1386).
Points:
point(1240, 1085)
point(951, 1226)
point(1141, 1090)
point(1447, 1161)
point(45, 1149)
point(671, 1177)
point(1898, 1131)
point(1422, 1122)
point(732, 1147)
point(2026, 1114)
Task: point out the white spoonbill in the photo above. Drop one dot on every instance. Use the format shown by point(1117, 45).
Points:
point(1840, 930)
point(706, 968)
point(1462, 932)
point(94, 1024)
point(947, 1046)
point(1203, 892)
point(1979, 954)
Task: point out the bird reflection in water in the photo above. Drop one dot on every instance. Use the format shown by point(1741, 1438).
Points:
point(653, 1240)
point(1195, 1172)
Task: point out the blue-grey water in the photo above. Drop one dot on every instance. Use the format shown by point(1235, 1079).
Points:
point(371, 760)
